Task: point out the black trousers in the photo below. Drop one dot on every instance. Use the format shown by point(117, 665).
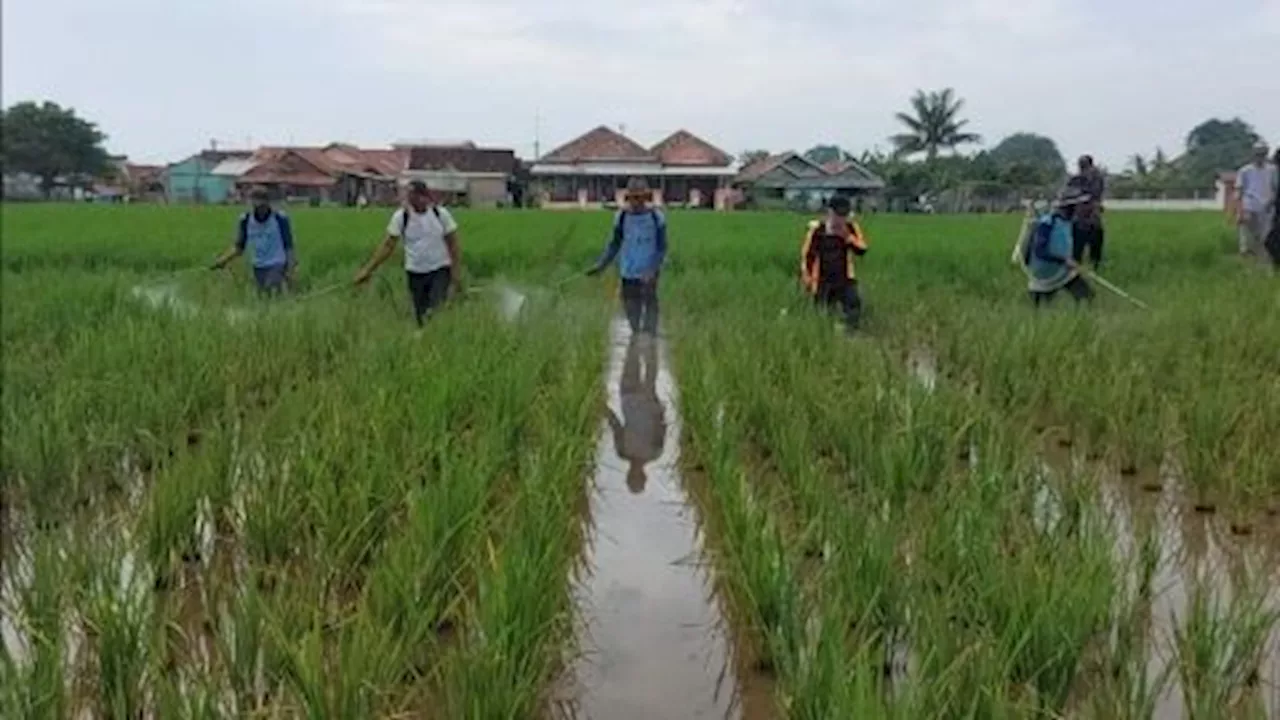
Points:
point(640, 302)
point(428, 291)
point(1088, 239)
point(842, 296)
point(1078, 288)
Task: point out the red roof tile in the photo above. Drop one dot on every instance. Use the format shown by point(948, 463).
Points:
point(461, 159)
point(684, 148)
point(601, 144)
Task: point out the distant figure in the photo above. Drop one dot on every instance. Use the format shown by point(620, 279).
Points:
point(827, 261)
point(1088, 233)
point(1255, 201)
point(362, 201)
point(1273, 237)
point(432, 260)
point(640, 435)
point(270, 235)
point(1046, 251)
point(639, 243)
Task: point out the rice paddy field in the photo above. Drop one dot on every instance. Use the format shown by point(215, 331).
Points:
point(215, 506)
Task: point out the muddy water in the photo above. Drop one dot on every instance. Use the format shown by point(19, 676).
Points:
point(652, 640)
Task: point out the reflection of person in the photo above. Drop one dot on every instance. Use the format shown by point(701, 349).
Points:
point(639, 436)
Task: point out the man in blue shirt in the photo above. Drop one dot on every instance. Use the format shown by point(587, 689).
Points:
point(639, 243)
point(267, 233)
point(1047, 253)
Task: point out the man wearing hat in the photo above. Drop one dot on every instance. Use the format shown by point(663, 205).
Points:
point(639, 243)
point(270, 235)
point(1048, 257)
point(1255, 200)
point(431, 255)
point(827, 260)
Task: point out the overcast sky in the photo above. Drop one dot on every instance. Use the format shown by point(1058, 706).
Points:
point(1112, 77)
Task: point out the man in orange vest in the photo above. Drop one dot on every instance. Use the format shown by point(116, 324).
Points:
point(827, 261)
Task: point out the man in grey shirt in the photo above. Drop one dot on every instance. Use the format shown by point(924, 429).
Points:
point(1255, 200)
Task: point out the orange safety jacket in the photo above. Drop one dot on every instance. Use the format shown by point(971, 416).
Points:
point(817, 245)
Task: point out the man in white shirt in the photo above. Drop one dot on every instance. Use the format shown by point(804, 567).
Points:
point(1255, 200)
point(431, 256)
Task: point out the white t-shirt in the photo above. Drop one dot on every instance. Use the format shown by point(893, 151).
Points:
point(424, 247)
point(1257, 186)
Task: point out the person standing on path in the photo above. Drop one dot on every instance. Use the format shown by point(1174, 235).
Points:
point(1047, 252)
point(639, 436)
point(432, 259)
point(827, 261)
point(269, 234)
point(639, 243)
point(1255, 201)
point(1087, 232)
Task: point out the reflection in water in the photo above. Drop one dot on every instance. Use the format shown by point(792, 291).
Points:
point(638, 437)
point(652, 641)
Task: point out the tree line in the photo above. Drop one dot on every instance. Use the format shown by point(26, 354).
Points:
point(926, 159)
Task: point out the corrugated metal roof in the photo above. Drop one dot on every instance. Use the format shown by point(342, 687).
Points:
point(233, 167)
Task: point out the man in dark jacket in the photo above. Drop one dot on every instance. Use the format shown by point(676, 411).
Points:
point(1088, 233)
point(826, 261)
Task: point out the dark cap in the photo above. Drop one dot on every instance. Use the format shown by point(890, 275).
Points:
point(841, 205)
point(419, 187)
point(259, 194)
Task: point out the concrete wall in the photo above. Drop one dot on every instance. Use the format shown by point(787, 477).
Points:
point(191, 181)
point(487, 192)
point(1169, 205)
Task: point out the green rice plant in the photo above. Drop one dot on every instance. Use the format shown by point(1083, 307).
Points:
point(34, 682)
point(1219, 649)
point(116, 609)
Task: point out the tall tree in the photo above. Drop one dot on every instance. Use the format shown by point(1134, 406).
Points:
point(50, 141)
point(1035, 157)
point(823, 154)
point(748, 157)
point(1216, 145)
point(933, 124)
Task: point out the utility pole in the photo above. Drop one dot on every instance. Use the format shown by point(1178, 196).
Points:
point(537, 134)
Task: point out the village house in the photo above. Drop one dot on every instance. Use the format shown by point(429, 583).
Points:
point(336, 173)
point(192, 179)
point(592, 170)
point(790, 178)
point(462, 173)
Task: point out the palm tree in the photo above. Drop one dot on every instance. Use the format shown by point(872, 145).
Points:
point(933, 125)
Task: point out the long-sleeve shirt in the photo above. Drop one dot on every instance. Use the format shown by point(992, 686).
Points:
point(639, 243)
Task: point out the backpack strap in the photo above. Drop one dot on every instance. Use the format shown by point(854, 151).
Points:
point(404, 218)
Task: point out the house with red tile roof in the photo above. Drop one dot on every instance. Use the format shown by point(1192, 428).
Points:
point(335, 173)
point(593, 169)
